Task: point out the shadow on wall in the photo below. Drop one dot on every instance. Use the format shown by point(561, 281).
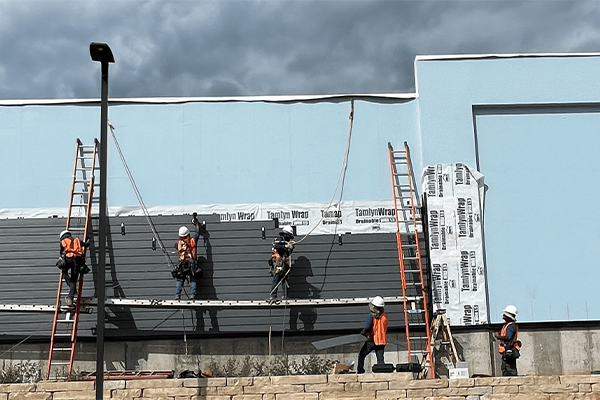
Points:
point(206, 288)
point(300, 288)
point(119, 316)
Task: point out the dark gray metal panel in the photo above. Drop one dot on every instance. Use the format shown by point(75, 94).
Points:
point(234, 259)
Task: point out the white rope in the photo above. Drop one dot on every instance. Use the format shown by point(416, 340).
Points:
point(342, 175)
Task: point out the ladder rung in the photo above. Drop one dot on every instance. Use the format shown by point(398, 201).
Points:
point(60, 362)
point(62, 334)
point(70, 321)
point(62, 349)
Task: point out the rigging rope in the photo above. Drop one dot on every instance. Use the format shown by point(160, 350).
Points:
point(342, 179)
point(152, 227)
point(139, 197)
point(342, 176)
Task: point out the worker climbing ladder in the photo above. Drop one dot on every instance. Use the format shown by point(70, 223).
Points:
point(82, 206)
point(410, 260)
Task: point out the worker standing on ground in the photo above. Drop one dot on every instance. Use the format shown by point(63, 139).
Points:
point(510, 345)
point(187, 267)
point(375, 331)
point(72, 262)
point(281, 260)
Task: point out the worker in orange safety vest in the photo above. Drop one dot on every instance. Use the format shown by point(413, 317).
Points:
point(187, 267)
point(510, 345)
point(72, 262)
point(375, 331)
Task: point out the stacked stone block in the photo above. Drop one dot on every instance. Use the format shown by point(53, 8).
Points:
point(318, 387)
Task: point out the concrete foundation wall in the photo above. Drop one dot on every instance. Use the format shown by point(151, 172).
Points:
point(553, 351)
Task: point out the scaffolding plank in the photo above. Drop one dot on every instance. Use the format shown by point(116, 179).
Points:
point(85, 308)
point(156, 303)
point(349, 339)
point(248, 303)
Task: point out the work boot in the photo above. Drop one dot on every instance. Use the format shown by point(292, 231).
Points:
point(69, 301)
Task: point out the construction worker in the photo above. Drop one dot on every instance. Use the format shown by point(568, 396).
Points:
point(281, 260)
point(72, 262)
point(375, 331)
point(187, 266)
point(510, 345)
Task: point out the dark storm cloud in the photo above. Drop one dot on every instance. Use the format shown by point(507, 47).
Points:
point(246, 47)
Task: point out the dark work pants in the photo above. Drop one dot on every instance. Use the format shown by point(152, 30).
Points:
point(509, 367)
point(368, 347)
point(71, 276)
point(275, 285)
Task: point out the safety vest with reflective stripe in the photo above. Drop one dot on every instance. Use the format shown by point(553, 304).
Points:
point(514, 340)
point(186, 247)
point(379, 331)
point(71, 247)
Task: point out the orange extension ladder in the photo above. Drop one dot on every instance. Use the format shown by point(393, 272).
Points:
point(408, 224)
point(81, 207)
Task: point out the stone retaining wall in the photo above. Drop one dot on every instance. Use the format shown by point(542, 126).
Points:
point(318, 387)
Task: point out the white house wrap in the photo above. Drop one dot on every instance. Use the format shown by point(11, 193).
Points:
point(454, 196)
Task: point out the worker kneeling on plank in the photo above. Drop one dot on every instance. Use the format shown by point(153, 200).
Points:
point(281, 260)
point(187, 267)
point(375, 331)
point(72, 262)
point(510, 345)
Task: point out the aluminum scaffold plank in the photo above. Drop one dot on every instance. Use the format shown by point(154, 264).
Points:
point(87, 304)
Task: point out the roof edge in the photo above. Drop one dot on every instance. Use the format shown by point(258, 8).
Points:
point(456, 57)
point(281, 99)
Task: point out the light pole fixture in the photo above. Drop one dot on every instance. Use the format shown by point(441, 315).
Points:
point(101, 53)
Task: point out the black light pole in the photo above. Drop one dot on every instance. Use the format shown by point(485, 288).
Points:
point(101, 52)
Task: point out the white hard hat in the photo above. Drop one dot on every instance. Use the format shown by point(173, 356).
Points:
point(511, 312)
point(183, 231)
point(65, 232)
point(288, 229)
point(378, 302)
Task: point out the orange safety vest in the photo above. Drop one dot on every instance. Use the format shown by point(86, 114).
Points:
point(186, 248)
point(71, 247)
point(515, 341)
point(379, 331)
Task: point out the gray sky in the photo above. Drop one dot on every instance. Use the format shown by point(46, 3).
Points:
point(269, 47)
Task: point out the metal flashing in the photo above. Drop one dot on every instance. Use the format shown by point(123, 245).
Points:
point(277, 99)
point(463, 57)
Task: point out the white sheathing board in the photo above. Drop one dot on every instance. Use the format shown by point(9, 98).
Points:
point(455, 198)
